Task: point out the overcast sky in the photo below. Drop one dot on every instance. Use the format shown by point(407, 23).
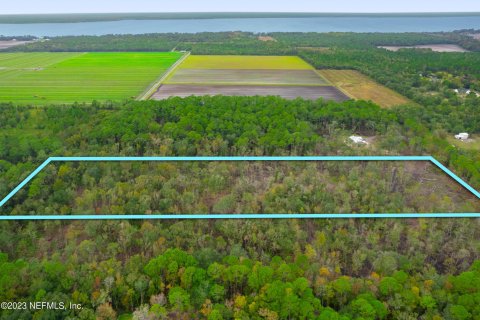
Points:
point(81, 6)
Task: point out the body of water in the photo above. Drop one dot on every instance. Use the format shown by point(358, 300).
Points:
point(311, 24)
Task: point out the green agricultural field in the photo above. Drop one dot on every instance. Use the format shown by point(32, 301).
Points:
point(246, 62)
point(42, 78)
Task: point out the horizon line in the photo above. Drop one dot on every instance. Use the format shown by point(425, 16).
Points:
point(244, 12)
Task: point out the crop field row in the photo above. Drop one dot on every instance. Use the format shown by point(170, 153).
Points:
point(287, 77)
point(33, 60)
point(44, 78)
point(246, 63)
point(253, 77)
point(361, 87)
point(83, 77)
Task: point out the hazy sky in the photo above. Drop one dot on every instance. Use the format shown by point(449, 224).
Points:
point(77, 6)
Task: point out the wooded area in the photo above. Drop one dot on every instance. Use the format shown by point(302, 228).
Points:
point(249, 269)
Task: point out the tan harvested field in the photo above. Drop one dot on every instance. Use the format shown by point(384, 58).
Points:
point(433, 47)
point(361, 87)
point(10, 43)
point(266, 38)
point(252, 77)
point(289, 92)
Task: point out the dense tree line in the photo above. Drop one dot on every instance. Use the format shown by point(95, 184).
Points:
point(428, 78)
point(191, 126)
point(213, 126)
point(359, 40)
point(241, 188)
point(236, 42)
point(309, 269)
point(244, 42)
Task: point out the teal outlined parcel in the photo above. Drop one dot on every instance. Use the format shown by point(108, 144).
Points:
point(242, 216)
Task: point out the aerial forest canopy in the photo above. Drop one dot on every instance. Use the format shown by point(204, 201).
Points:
point(202, 126)
point(250, 269)
point(291, 269)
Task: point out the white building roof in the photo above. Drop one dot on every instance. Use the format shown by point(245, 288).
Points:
point(358, 139)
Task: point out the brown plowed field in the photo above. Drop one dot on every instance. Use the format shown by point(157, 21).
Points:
point(244, 77)
point(288, 92)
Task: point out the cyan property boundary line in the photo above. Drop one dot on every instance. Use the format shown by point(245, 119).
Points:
point(241, 216)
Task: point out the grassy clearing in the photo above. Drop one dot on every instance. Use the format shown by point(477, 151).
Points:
point(42, 78)
point(246, 62)
point(471, 144)
point(359, 86)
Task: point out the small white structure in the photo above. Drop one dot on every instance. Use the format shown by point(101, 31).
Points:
point(462, 136)
point(358, 140)
point(463, 91)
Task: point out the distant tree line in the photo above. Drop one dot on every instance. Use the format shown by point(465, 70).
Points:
point(19, 38)
point(245, 42)
point(222, 126)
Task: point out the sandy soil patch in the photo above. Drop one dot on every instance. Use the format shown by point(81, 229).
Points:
point(11, 43)
point(433, 47)
point(267, 38)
